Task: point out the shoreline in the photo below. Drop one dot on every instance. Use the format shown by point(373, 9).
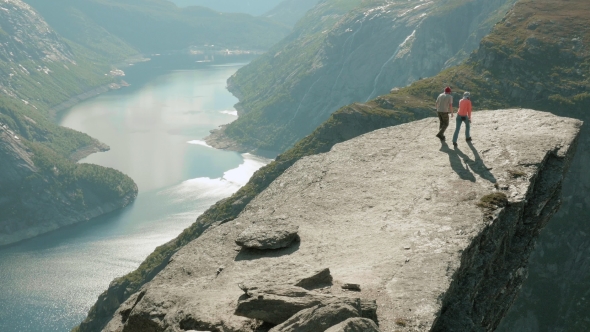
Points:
point(218, 140)
point(56, 111)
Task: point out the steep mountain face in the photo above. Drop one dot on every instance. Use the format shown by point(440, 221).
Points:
point(42, 186)
point(539, 44)
point(374, 46)
point(38, 42)
point(158, 25)
point(440, 255)
point(40, 67)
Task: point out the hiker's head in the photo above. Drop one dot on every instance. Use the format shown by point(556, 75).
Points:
point(448, 90)
point(467, 95)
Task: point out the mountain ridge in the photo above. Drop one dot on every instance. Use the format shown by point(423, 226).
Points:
point(153, 26)
point(351, 56)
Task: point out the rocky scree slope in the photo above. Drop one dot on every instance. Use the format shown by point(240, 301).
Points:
point(447, 253)
point(40, 67)
point(343, 53)
point(557, 68)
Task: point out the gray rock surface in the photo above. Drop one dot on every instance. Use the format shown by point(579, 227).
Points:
point(318, 318)
point(268, 235)
point(276, 304)
point(355, 325)
point(394, 210)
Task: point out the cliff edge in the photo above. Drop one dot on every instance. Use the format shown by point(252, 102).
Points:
point(394, 225)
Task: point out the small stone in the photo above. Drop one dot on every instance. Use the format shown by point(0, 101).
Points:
point(354, 287)
point(318, 279)
point(355, 325)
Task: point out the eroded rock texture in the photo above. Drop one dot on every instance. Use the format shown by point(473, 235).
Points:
point(439, 237)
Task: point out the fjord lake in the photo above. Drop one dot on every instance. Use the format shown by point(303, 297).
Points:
point(155, 129)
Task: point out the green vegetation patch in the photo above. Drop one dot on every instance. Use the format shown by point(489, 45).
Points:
point(515, 174)
point(493, 201)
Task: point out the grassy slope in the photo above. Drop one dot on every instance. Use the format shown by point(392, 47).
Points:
point(32, 84)
point(504, 72)
point(50, 145)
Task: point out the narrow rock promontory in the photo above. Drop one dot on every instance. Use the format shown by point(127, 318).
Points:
point(438, 238)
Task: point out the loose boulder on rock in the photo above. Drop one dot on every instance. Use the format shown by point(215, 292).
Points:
point(268, 236)
point(355, 325)
point(317, 318)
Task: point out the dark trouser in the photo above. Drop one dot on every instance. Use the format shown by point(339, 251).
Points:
point(461, 119)
point(444, 123)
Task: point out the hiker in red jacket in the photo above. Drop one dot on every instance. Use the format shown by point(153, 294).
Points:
point(444, 106)
point(463, 115)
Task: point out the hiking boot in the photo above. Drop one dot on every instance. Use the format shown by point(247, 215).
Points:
point(441, 137)
point(468, 139)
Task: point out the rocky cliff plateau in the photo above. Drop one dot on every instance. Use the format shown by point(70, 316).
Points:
point(393, 226)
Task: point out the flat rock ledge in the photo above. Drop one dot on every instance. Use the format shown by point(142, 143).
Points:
point(269, 235)
point(438, 237)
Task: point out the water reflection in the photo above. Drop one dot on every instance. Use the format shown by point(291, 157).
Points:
point(50, 282)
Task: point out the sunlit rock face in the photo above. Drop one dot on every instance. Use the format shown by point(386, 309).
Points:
point(339, 56)
point(24, 35)
point(438, 236)
point(27, 44)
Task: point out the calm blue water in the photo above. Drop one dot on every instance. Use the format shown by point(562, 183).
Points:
point(154, 129)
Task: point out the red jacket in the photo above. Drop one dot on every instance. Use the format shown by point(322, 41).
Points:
point(465, 108)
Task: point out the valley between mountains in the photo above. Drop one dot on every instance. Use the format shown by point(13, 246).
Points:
point(382, 226)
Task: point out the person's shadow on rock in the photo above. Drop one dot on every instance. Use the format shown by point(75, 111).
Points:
point(457, 163)
point(477, 165)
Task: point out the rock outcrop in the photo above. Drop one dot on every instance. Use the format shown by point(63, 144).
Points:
point(268, 235)
point(414, 222)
